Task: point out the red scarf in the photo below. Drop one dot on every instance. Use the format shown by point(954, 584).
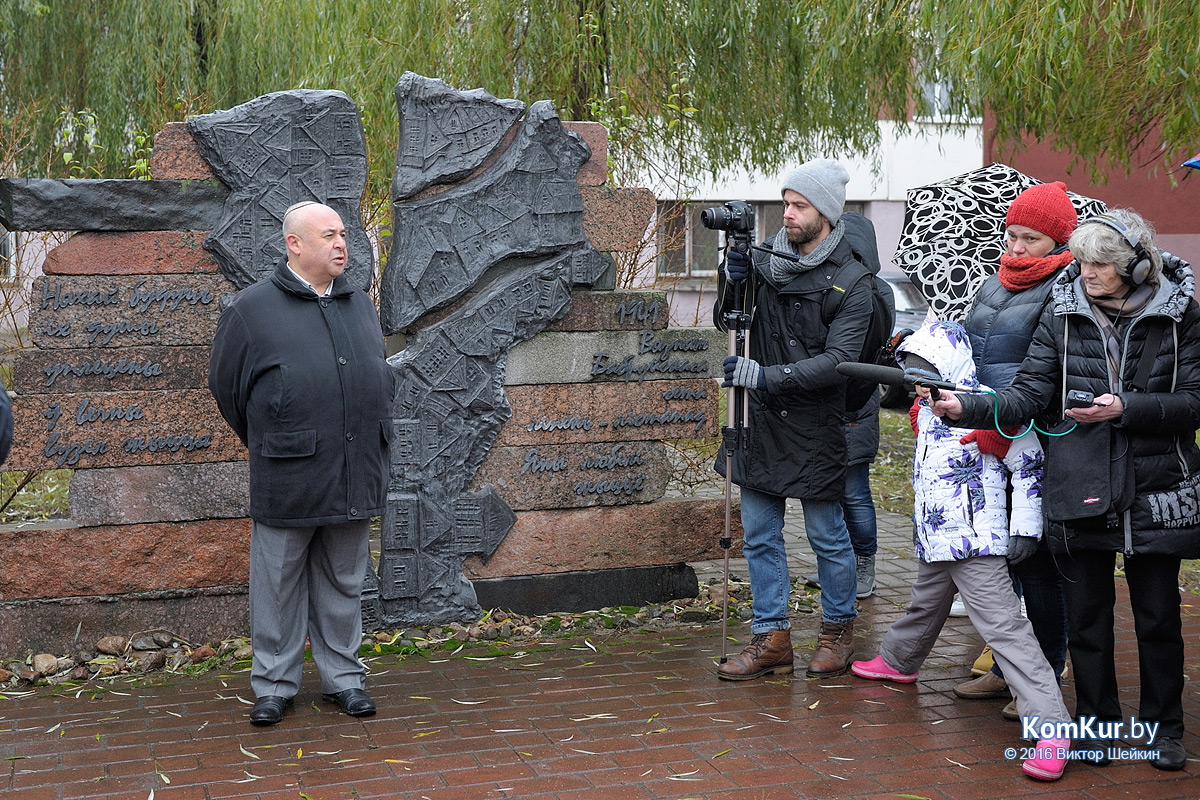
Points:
point(1017, 274)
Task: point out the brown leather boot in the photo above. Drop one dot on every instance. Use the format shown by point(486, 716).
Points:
point(835, 648)
point(767, 652)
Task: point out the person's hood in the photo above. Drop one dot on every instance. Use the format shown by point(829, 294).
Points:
point(1176, 288)
point(859, 233)
point(947, 347)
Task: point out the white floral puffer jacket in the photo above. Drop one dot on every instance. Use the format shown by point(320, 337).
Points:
point(960, 510)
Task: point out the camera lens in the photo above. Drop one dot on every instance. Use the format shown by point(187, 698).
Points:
point(718, 218)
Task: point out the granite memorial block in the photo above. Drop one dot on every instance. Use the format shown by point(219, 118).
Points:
point(624, 356)
point(176, 155)
point(568, 540)
point(130, 253)
point(62, 560)
point(274, 151)
point(168, 493)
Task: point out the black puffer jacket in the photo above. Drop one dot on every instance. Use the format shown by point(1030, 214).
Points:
point(1000, 325)
point(303, 382)
point(797, 434)
point(1160, 423)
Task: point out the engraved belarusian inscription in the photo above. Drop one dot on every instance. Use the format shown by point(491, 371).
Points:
point(76, 311)
point(577, 475)
point(610, 412)
point(111, 429)
point(106, 370)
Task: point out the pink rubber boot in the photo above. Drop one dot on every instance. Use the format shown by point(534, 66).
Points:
point(1049, 759)
point(878, 670)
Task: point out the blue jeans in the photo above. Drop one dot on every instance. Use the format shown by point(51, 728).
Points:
point(766, 559)
point(859, 509)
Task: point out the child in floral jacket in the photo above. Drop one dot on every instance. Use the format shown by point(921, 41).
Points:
point(965, 535)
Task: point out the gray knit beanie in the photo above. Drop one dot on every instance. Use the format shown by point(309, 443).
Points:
point(822, 182)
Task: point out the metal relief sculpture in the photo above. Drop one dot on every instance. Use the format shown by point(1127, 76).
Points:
point(445, 134)
point(276, 150)
point(526, 204)
point(510, 235)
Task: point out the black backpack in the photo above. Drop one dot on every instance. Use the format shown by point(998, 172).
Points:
point(860, 235)
point(879, 330)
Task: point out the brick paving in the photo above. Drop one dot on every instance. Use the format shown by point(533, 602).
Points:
point(639, 716)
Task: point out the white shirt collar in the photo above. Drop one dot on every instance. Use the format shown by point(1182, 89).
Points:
point(328, 289)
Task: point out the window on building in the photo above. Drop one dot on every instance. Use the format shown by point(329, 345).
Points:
point(8, 254)
point(687, 249)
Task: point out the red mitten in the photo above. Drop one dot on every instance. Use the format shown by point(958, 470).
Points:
point(988, 441)
point(913, 413)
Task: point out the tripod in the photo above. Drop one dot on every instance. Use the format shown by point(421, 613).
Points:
point(737, 414)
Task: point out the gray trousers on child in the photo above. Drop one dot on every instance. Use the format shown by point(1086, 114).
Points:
point(995, 611)
point(307, 581)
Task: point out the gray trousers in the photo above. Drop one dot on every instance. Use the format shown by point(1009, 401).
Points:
point(995, 611)
point(307, 581)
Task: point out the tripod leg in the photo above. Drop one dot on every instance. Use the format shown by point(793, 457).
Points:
point(727, 540)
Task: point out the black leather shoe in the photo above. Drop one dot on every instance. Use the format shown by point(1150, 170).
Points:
point(1171, 755)
point(1094, 751)
point(353, 702)
point(268, 710)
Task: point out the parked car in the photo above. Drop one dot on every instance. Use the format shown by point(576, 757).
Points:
point(911, 309)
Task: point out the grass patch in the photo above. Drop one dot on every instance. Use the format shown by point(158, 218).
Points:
point(891, 473)
point(43, 497)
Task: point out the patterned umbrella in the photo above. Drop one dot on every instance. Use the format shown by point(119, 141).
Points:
point(1193, 162)
point(953, 233)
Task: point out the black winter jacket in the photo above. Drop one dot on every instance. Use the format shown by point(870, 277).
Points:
point(797, 437)
point(1000, 325)
point(1160, 423)
point(303, 382)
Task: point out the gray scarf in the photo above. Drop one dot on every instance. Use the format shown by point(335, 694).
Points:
point(1114, 314)
point(783, 269)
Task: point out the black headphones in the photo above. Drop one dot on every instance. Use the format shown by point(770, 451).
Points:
point(1138, 268)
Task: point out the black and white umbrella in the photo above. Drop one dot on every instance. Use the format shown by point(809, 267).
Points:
point(953, 233)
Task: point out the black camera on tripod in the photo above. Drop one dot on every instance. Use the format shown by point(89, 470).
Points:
point(736, 218)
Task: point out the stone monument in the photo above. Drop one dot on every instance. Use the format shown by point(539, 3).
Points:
point(529, 464)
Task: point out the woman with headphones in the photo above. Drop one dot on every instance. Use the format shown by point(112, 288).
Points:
point(1113, 378)
point(1000, 323)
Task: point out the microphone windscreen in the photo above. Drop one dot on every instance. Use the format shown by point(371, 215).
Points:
point(889, 376)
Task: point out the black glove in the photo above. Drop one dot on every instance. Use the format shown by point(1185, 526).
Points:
point(737, 266)
point(743, 372)
point(1021, 548)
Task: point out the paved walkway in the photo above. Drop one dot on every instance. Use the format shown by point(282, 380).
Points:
point(623, 717)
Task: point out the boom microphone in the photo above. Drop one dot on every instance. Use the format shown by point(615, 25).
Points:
point(894, 376)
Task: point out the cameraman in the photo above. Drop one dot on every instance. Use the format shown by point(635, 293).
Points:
point(796, 436)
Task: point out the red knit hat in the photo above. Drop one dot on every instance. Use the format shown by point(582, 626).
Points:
point(1045, 208)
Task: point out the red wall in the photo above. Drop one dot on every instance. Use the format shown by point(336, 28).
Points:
point(1173, 210)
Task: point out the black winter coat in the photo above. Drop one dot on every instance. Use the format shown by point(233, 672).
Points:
point(1160, 423)
point(1000, 325)
point(303, 382)
point(797, 437)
